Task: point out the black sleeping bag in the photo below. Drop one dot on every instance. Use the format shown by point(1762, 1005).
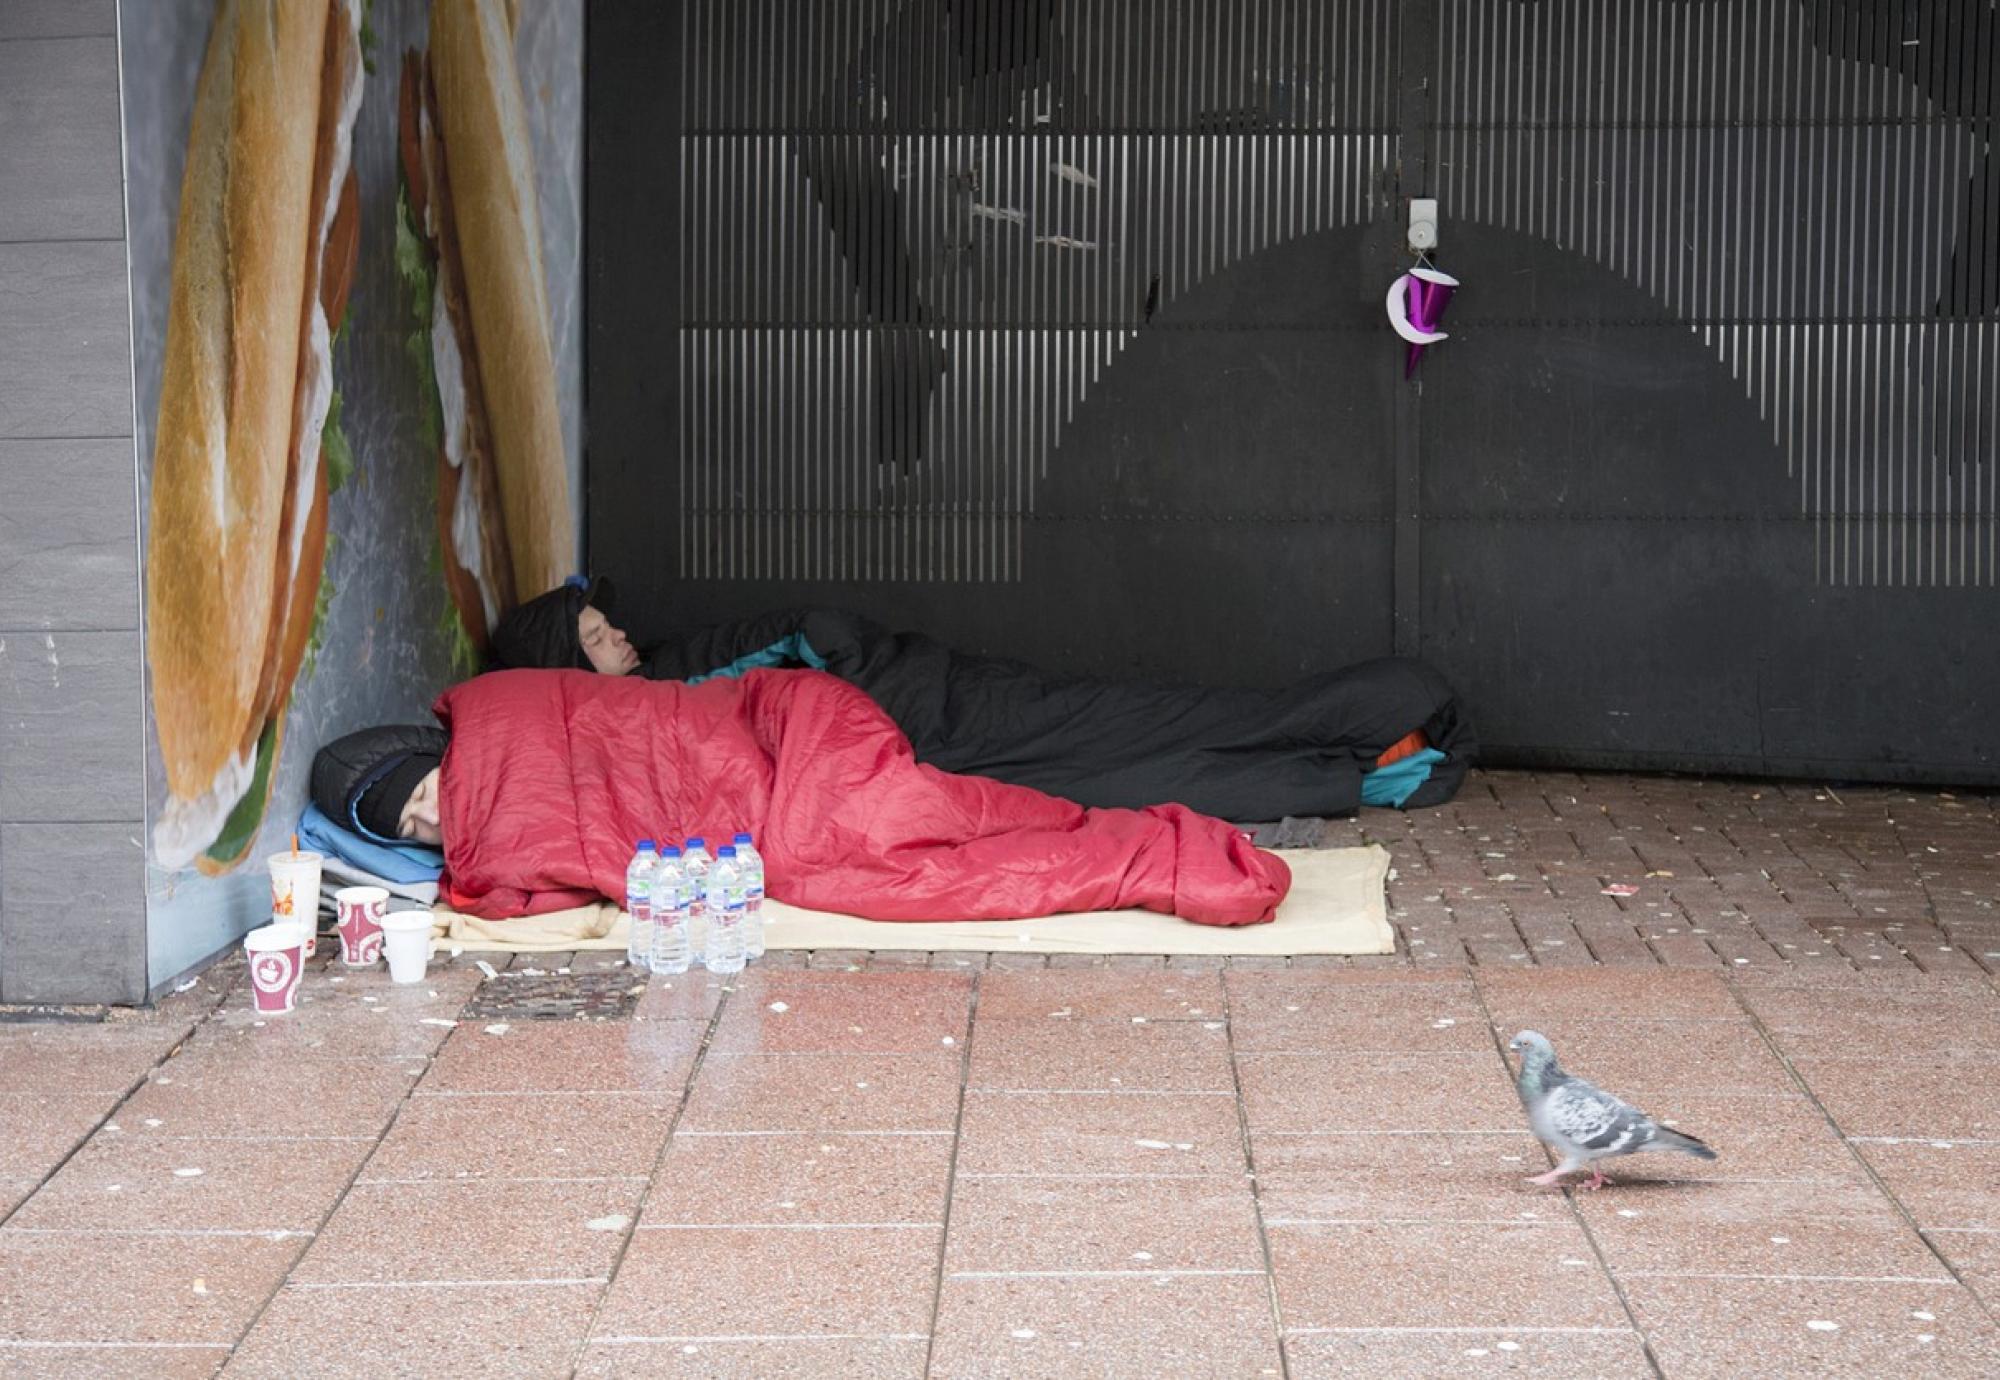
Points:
point(1242, 755)
point(1237, 754)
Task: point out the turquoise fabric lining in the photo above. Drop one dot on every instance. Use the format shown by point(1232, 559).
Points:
point(786, 651)
point(1397, 782)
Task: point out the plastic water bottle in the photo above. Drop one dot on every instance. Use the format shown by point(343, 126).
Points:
point(671, 952)
point(725, 914)
point(696, 864)
point(639, 905)
point(751, 863)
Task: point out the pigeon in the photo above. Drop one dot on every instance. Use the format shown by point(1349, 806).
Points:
point(1582, 1120)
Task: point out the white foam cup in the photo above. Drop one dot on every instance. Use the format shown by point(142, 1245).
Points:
point(407, 939)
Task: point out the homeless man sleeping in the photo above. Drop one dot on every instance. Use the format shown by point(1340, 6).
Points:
point(541, 782)
point(1383, 732)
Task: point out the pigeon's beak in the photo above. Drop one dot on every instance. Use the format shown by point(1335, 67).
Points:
point(1514, 1045)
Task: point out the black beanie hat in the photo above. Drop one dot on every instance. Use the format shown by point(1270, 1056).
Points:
point(542, 632)
point(348, 768)
point(380, 808)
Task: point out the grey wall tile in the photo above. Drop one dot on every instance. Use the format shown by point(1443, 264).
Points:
point(72, 913)
point(60, 176)
point(65, 341)
point(70, 745)
point(69, 555)
point(58, 18)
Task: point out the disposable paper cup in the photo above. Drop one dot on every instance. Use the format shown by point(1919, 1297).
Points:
point(407, 939)
point(295, 892)
point(277, 957)
point(361, 910)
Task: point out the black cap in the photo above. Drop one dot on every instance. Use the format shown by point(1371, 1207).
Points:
point(380, 809)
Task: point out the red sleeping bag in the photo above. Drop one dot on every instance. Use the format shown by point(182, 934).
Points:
point(552, 776)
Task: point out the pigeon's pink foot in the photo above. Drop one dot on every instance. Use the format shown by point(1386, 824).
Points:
point(1548, 1180)
point(1597, 1179)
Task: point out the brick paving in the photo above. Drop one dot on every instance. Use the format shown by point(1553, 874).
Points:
point(903, 1164)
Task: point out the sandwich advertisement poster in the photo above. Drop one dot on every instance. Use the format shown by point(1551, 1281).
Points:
point(355, 231)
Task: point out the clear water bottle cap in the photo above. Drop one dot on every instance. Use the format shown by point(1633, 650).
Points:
point(743, 838)
point(670, 851)
point(726, 851)
point(696, 841)
point(645, 845)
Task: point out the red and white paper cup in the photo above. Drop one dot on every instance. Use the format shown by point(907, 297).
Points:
point(277, 955)
point(360, 925)
point(295, 891)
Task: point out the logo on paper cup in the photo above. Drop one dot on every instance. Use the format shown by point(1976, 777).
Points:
point(281, 901)
point(272, 971)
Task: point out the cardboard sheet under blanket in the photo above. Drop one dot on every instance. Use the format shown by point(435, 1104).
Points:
point(1336, 906)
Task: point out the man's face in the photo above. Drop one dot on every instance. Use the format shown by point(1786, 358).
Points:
point(420, 822)
point(605, 645)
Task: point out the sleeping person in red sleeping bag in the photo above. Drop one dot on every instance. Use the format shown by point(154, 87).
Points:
point(544, 780)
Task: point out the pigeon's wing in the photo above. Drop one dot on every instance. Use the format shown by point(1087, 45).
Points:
point(1593, 1121)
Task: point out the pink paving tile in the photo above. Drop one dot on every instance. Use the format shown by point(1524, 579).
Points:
point(1338, 1017)
point(1638, 1060)
point(1061, 1056)
point(565, 1056)
point(1102, 1224)
point(491, 1332)
point(1539, 995)
point(135, 1287)
point(352, 1030)
point(203, 1095)
point(1613, 1354)
point(14, 1191)
point(898, 1012)
point(472, 1230)
point(565, 1136)
point(75, 1060)
point(1369, 1177)
point(1887, 1025)
point(1942, 1183)
point(1975, 1256)
point(1538, 1273)
point(1100, 994)
point(1939, 1097)
point(722, 1180)
point(811, 1092)
point(38, 1129)
point(1706, 1327)
point(792, 1358)
point(121, 1180)
point(1318, 1093)
point(1783, 1228)
point(692, 996)
point(1185, 1326)
point(1100, 1133)
point(700, 1282)
point(193, 1361)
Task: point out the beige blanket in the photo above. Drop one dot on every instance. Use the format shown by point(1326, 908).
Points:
point(1336, 906)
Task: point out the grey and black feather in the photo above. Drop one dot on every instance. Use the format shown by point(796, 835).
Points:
point(1582, 1120)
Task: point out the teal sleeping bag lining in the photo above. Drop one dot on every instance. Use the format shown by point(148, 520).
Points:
point(1397, 782)
point(786, 651)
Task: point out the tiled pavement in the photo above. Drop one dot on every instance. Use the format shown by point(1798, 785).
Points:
point(888, 1165)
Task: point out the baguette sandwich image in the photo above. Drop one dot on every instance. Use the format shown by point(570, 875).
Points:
point(248, 444)
point(469, 249)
